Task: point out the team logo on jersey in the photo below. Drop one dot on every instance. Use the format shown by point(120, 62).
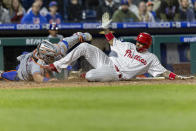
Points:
point(129, 54)
point(36, 20)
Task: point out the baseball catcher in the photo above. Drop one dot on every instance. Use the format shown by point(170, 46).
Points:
point(132, 59)
point(31, 64)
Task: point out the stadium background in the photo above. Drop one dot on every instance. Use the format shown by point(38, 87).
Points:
point(71, 105)
point(175, 56)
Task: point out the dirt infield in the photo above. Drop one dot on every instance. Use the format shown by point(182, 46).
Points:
point(84, 83)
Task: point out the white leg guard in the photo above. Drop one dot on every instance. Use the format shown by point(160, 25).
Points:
point(67, 43)
point(93, 55)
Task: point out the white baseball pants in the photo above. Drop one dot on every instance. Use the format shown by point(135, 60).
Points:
point(104, 67)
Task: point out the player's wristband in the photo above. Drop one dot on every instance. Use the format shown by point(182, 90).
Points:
point(172, 76)
point(45, 79)
point(109, 36)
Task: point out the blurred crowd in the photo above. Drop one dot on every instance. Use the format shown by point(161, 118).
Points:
point(59, 11)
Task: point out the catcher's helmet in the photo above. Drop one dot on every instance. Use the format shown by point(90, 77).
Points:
point(145, 39)
point(46, 51)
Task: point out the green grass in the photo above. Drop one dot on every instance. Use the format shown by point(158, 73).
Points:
point(125, 108)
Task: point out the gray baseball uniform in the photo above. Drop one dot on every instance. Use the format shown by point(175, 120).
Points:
point(28, 66)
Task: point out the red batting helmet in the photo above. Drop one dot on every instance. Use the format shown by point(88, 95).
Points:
point(145, 38)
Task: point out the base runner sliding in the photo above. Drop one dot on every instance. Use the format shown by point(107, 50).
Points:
point(131, 60)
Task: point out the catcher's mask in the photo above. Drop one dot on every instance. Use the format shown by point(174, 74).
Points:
point(46, 51)
point(144, 39)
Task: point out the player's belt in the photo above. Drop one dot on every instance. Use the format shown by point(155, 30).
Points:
point(120, 75)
